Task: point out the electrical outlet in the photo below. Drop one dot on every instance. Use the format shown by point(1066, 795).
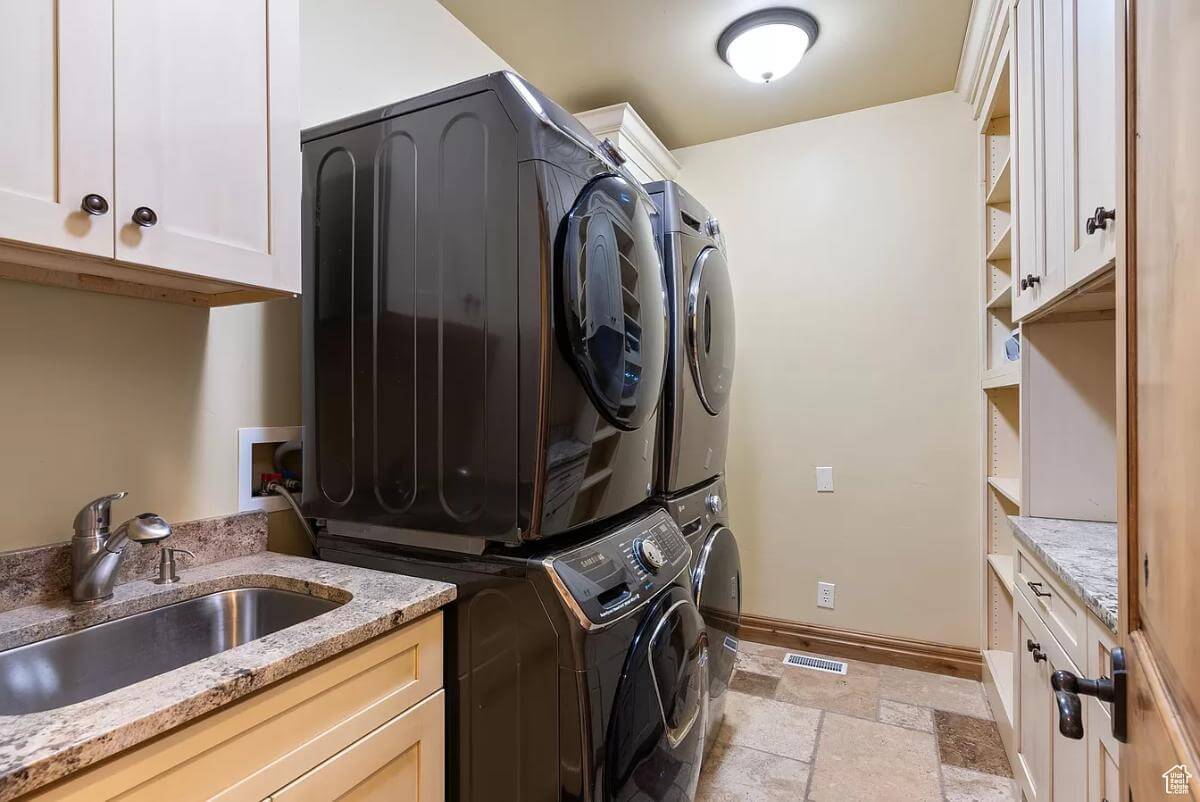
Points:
point(825, 594)
point(824, 480)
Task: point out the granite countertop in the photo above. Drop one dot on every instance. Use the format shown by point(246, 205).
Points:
point(38, 748)
point(1083, 554)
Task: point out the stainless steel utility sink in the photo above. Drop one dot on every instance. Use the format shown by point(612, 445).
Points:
point(81, 665)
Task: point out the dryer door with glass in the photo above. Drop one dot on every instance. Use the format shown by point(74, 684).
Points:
point(710, 331)
point(613, 301)
point(656, 730)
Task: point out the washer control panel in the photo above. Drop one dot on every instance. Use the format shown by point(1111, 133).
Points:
point(608, 577)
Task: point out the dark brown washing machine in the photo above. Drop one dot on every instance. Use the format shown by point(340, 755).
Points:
point(703, 517)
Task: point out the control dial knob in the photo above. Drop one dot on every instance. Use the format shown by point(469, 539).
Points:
point(714, 503)
point(650, 555)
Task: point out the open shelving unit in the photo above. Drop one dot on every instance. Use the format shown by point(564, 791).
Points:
point(1000, 395)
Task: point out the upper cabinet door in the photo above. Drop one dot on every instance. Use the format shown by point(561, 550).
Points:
point(56, 104)
point(1027, 199)
point(207, 138)
point(1091, 127)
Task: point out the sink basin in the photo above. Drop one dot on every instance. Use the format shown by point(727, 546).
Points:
point(81, 665)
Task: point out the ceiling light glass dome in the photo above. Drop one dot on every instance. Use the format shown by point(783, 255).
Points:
point(766, 45)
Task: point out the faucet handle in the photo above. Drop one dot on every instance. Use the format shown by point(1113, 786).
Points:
point(94, 517)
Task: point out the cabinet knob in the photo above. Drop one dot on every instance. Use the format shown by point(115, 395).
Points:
point(94, 204)
point(1024, 283)
point(1035, 648)
point(1100, 219)
point(144, 216)
point(1034, 279)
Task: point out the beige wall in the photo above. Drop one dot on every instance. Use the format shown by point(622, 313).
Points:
point(101, 393)
point(853, 241)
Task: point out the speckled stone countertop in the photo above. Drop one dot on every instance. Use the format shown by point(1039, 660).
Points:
point(1083, 554)
point(39, 748)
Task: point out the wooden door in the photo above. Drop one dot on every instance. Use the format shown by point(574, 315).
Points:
point(56, 134)
point(1091, 126)
point(207, 138)
point(1159, 275)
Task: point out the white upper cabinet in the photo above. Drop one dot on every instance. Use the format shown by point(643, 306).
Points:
point(1065, 85)
point(199, 148)
point(1039, 274)
point(1091, 135)
point(57, 136)
point(176, 123)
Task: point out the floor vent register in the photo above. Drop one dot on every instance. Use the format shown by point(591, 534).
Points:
point(815, 663)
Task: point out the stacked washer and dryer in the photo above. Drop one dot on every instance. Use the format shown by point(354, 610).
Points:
point(693, 423)
point(486, 338)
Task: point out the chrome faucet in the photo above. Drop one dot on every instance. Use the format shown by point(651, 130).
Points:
point(96, 553)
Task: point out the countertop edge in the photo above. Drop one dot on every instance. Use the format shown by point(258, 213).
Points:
point(1094, 604)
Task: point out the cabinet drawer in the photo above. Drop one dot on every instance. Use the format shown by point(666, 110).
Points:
point(402, 761)
point(1063, 615)
point(253, 747)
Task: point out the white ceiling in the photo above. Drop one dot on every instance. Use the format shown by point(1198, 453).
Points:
point(660, 55)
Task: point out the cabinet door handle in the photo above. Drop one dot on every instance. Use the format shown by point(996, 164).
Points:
point(144, 216)
point(1100, 219)
point(1024, 283)
point(1032, 279)
point(1036, 587)
point(94, 204)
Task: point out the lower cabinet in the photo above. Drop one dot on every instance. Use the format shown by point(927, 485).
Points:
point(368, 724)
point(402, 760)
point(1051, 767)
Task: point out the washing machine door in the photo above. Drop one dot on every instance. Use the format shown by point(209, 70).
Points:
point(613, 301)
point(656, 730)
point(710, 329)
point(717, 585)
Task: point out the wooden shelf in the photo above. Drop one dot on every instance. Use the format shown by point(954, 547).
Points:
point(1007, 486)
point(1003, 247)
point(1001, 190)
point(998, 664)
point(1001, 300)
point(1002, 564)
point(1007, 376)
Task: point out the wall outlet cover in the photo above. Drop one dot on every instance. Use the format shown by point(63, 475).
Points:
point(826, 592)
point(825, 480)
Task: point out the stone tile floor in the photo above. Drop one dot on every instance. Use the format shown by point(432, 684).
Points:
point(877, 734)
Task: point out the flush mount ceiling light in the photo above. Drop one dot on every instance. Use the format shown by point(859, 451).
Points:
point(766, 45)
